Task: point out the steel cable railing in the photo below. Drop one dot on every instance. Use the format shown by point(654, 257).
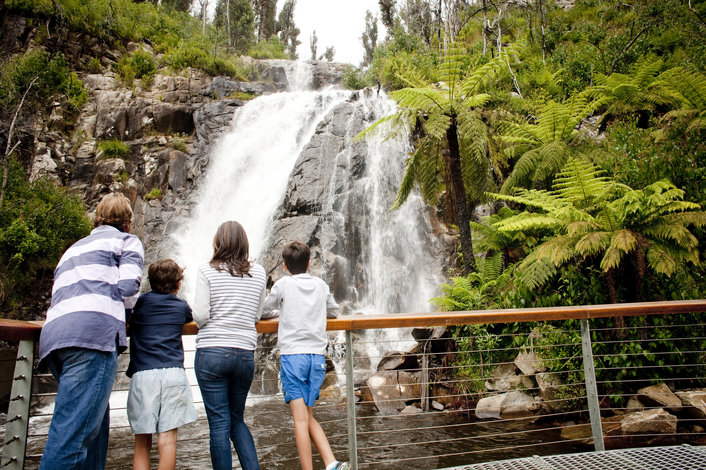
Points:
point(450, 424)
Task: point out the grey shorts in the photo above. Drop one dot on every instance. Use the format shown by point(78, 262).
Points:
point(159, 400)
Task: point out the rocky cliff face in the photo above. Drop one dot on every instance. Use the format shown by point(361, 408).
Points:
point(169, 128)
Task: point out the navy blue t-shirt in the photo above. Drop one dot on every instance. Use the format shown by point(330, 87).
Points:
point(155, 332)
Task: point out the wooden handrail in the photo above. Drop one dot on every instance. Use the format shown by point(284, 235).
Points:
point(17, 330)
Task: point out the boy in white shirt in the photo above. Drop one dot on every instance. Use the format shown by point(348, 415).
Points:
point(304, 302)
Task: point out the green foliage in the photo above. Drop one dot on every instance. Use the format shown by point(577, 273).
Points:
point(596, 220)
point(542, 146)
point(51, 75)
point(177, 143)
point(356, 79)
point(140, 65)
point(38, 221)
point(113, 149)
point(270, 49)
point(154, 193)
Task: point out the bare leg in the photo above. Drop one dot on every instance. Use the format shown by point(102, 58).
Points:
point(319, 438)
point(300, 414)
point(166, 443)
point(141, 459)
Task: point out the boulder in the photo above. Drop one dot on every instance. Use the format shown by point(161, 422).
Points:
point(517, 404)
point(331, 394)
point(529, 363)
point(694, 402)
point(106, 170)
point(657, 421)
point(550, 389)
point(411, 410)
point(489, 407)
point(391, 390)
point(661, 396)
point(504, 378)
point(398, 360)
point(634, 404)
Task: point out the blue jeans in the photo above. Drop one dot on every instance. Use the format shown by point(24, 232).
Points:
point(78, 434)
point(224, 376)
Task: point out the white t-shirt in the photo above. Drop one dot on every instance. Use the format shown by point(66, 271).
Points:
point(304, 302)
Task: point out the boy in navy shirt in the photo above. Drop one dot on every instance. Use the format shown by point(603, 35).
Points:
point(159, 400)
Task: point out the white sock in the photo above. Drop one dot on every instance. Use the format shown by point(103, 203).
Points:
point(332, 465)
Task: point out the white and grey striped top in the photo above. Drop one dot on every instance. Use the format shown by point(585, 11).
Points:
point(226, 307)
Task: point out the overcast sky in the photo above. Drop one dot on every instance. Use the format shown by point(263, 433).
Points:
point(338, 23)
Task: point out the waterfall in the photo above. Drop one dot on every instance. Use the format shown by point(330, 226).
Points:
point(288, 168)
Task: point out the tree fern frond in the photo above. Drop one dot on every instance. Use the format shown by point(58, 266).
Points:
point(535, 271)
point(593, 243)
point(660, 260)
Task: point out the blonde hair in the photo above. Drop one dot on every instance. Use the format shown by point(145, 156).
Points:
point(114, 209)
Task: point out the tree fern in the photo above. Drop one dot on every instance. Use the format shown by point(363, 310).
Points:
point(593, 219)
point(689, 88)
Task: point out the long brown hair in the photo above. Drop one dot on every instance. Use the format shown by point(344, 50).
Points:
point(231, 249)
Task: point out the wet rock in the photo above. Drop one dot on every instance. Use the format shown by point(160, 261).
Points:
point(391, 390)
point(437, 406)
point(660, 395)
point(398, 360)
point(411, 410)
point(489, 407)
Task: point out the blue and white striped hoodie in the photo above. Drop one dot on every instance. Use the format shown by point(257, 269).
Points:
point(97, 278)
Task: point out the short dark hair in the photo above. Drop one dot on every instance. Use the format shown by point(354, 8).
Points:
point(164, 276)
point(296, 257)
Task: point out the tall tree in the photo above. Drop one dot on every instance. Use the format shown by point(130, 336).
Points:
point(180, 5)
point(239, 21)
point(456, 152)
point(288, 31)
point(418, 19)
point(265, 14)
point(387, 13)
point(313, 45)
point(369, 37)
point(329, 54)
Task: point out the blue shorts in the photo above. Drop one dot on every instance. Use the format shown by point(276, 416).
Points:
point(302, 376)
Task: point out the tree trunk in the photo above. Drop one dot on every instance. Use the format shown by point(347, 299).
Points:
point(230, 42)
point(464, 219)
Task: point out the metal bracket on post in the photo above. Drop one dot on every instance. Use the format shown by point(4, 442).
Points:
point(594, 411)
point(350, 403)
point(13, 451)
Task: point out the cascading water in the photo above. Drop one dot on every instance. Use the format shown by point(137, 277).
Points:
point(282, 145)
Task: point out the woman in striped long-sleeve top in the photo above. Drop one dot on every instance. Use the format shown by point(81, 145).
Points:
point(228, 301)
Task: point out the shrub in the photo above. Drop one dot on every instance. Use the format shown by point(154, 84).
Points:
point(270, 49)
point(356, 79)
point(155, 193)
point(48, 75)
point(38, 221)
point(177, 143)
point(139, 65)
point(113, 149)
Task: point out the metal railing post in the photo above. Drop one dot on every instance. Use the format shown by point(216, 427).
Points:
point(13, 451)
point(594, 411)
point(350, 403)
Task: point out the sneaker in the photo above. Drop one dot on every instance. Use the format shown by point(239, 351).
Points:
point(342, 466)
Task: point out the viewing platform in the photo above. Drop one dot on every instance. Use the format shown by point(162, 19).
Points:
point(435, 413)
